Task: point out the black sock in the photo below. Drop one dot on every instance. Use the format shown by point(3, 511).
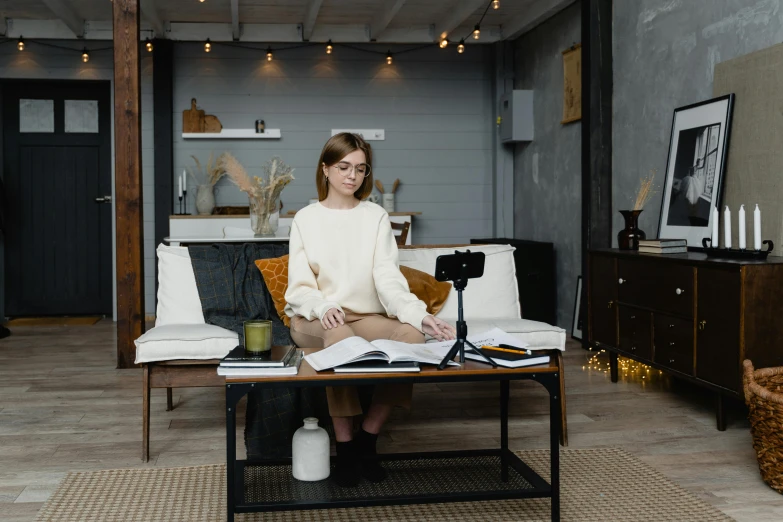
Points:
point(347, 471)
point(371, 466)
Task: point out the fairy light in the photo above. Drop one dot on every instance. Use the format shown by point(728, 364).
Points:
point(207, 46)
point(389, 58)
point(269, 54)
point(85, 55)
point(476, 32)
point(461, 46)
point(329, 47)
point(20, 44)
point(495, 4)
point(444, 42)
point(149, 45)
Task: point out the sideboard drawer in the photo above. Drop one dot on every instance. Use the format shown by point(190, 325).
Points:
point(635, 332)
point(663, 286)
point(673, 339)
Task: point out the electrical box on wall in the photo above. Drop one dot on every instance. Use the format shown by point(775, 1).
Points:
point(516, 116)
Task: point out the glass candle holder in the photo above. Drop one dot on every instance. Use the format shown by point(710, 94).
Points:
point(258, 337)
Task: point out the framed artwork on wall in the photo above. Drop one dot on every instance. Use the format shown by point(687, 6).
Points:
point(572, 84)
point(576, 326)
point(693, 185)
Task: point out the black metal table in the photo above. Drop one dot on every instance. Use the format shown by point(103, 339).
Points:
point(414, 478)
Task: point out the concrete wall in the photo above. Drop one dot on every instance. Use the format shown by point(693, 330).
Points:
point(435, 106)
point(664, 55)
point(38, 62)
point(547, 171)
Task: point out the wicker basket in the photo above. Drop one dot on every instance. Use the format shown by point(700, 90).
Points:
point(764, 397)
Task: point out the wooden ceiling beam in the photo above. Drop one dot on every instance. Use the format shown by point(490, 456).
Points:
point(235, 33)
point(311, 14)
point(65, 12)
point(384, 17)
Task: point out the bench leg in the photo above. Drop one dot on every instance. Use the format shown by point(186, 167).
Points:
point(563, 421)
point(145, 415)
point(169, 400)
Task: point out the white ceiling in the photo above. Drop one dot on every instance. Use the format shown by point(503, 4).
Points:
point(285, 20)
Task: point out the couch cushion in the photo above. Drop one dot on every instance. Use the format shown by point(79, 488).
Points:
point(539, 336)
point(493, 296)
point(275, 272)
point(184, 341)
point(434, 293)
point(178, 301)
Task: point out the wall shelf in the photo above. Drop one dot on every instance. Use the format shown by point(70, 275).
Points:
point(269, 134)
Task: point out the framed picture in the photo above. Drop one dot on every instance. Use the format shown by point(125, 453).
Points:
point(576, 327)
point(695, 169)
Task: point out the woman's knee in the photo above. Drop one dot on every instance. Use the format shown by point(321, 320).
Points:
point(407, 334)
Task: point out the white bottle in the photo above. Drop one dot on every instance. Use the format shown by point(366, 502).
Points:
point(310, 452)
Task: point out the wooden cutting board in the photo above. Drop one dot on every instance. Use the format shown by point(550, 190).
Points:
point(193, 119)
point(212, 124)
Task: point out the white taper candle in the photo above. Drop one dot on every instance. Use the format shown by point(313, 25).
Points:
point(715, 223)
point(741, 213)
point(727, 227)
point(184, 180)
point(757, 228)
point(180, 187)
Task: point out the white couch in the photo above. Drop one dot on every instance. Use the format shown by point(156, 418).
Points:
point(182, 350)
point(490, 301)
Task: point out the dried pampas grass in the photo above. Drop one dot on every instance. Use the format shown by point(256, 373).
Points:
point(213, 172)
point(646, 191)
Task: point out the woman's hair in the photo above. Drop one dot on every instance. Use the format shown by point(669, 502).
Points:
point(338, 147)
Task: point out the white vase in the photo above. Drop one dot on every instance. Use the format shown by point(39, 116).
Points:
point(205, 199)
point(310, 452)
point(388, 203)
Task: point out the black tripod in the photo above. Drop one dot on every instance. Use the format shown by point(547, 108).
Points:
point(462, 328)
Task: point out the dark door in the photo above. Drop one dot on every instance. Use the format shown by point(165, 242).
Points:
point(57, 173)
point(602, 293)
point(718, 327)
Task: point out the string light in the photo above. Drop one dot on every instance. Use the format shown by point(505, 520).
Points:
point(389, 58)
point(149, 45)
point(329, 47)
point(476, 32)
point(444, 42)
point(461, 46)
point(85, 55)
point(268, 54)
point(495, 4)
point(207, 46)
point(20, 44)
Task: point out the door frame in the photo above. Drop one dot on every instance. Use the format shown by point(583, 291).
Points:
point(106, 159)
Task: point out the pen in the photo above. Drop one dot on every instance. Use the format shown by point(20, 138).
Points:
point(497, 349)
point(508, 346)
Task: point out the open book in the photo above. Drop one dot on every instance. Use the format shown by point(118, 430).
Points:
point(356, 349)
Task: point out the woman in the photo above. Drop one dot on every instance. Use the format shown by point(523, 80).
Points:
point(344, 280)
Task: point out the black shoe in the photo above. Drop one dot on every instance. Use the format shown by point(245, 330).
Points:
point(347, 471)
point(371, 466)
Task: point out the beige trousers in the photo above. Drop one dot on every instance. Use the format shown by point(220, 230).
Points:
point(344, 400)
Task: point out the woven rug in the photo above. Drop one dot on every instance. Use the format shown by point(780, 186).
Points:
point(597, 485)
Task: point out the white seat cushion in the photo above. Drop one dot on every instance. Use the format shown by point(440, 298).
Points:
point(539, 336)
point(494, 295)
point(178, 300)
point(185, 341)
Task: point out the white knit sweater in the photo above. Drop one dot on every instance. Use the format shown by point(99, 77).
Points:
point(347, 258)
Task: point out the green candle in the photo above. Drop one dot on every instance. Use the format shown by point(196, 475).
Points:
point(258, 337)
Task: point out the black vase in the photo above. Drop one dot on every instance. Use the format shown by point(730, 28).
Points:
point(628, 238)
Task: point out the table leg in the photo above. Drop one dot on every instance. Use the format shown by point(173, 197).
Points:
point(504, 391)
point(554, 446)
point(613, 366)
point(234, 392)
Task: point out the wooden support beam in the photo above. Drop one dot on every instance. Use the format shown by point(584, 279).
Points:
point(127, 179)
point(596, 131)
point(150, 13)
point(235, 33)
point(163, 137)
point(458, 15)
point(384, 17)
point(311, 14)
point(537, 12)
point(65, 12)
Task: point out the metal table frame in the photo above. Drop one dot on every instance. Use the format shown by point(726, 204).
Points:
point(550, 380)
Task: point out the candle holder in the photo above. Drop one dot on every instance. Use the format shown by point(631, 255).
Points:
point(185, 201)
point(736, 253)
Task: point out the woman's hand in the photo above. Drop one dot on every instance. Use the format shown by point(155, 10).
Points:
point(332, 319)
point(437, 329)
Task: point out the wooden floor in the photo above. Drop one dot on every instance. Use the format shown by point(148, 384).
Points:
point(63, 407)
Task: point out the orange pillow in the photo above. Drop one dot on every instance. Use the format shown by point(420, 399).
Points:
point(275, 272)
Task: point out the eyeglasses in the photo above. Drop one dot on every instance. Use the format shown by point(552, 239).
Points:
point(362, 170)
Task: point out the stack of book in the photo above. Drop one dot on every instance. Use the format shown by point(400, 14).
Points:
point(280, 361)
point(663, 246)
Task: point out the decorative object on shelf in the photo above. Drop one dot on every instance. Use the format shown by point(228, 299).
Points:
point(310, 452)
point(736, 253)
point(260, 126)
point(263, 192)
point(193, 119)
point(212, 124)
point(205, 183)
point(572, 84)
point(762, 390)
point(388, 197)
point(694, 172)
point(628, 238)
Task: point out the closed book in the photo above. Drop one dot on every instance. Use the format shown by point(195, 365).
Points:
point(277, 357)
point(255, 371)
point(508, 359)
point(652, 250)
point(663, 242)
point(378, 367)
